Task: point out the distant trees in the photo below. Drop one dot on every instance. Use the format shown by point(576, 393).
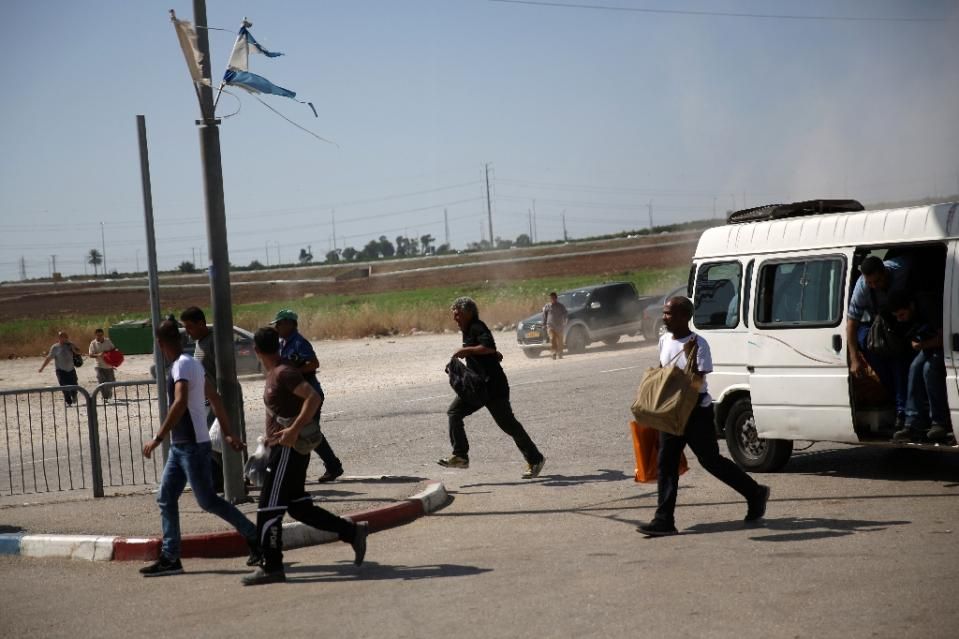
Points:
point(186, 267)
point(349, 254)
point(442, 249)
point(426, 242)
point(523, 240)
point(256, 265)
point(332, 257)
point(386, 247)
point(306, 255)
point(95, 258)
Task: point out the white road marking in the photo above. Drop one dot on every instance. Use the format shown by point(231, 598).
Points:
point(616, 370)
point(423, 399)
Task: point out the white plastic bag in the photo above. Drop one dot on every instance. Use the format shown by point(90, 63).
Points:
point(255, 469)
point(216, 436)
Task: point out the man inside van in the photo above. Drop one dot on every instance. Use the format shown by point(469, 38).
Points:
point(927, 409)
point(870, 297)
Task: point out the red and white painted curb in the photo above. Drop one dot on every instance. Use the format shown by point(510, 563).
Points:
point(225, 544)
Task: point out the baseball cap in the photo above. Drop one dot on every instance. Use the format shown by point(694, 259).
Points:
point(285, 314)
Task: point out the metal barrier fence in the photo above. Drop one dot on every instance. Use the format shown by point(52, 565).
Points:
point(62, 438)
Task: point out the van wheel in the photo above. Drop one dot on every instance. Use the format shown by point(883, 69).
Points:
point(576, 340)
point(531, 353)
point(750, 451)
point(609, 341)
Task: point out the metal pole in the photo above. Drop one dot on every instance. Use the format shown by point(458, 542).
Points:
point(233, 487)
point(489, 209)
point(152, 277)
point(650, 216)
point(103, 250)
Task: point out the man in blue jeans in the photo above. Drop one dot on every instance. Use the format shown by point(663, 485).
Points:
point(927, 408)
point(189, 458)
point(674, 347)
point(870, 297)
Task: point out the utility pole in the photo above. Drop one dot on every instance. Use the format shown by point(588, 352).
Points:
point(266, 247)
point(565, 236)
point(153, 279)
point(333, 219)
point(446, 226)
point(194, 256)
point(138, 260)
point(529, 215)
point(53, 265)
point(209, 134)
point(489, 208)
point(535, 229)
point(23, 268)
point(103, 249)
point(650, 217)
point(714, 207)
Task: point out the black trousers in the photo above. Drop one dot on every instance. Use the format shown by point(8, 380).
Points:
point(701, 438)
point(325, 452)
point(502, 413)
point(68, 378)
point(283, 492)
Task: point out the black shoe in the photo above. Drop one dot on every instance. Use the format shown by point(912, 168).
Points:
point(162, 567)
point(938, 433)
point(261, 576)
point(330, 475)
point(256, 553)
point(359, 542)
point(657, 529)
point(900, 421)
point(907, 434)
point(757, 505)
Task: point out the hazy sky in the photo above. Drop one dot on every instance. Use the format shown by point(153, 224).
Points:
point(590, 112)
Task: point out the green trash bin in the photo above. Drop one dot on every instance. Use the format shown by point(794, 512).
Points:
point(133, 337)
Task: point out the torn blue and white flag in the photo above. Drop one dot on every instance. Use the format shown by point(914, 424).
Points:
point(238, 72)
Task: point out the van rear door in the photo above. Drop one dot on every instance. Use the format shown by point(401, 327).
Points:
point(796, 351)
point(950, 330)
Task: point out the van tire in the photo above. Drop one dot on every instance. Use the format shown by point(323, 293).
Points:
point(532, 353)
point(576, 340)
point(611, 341)
point(753, 453)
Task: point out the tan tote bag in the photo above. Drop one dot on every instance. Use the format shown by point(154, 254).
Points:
point(667, 395)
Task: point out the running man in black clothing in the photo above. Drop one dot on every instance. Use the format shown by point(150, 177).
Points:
point(291, 404)
point(479, 350)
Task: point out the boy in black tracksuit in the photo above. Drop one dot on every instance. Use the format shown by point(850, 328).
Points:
point(291, 404)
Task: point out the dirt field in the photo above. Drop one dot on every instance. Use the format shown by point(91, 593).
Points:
point(46, 300)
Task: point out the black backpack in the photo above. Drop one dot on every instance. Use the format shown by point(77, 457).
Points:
point(468, 384)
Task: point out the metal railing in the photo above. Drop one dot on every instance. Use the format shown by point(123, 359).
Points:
point(62, 438)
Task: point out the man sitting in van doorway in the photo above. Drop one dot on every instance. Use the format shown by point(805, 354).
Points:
point(870, 297)
point(927, 409)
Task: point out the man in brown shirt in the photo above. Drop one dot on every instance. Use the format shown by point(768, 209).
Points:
point(292, 408)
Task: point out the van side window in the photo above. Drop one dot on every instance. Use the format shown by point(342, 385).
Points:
point(800, 293)
point(717, 295)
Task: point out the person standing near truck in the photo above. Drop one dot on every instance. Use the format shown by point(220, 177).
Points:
point(554, 321)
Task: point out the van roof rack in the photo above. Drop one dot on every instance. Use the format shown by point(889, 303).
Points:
point(796, 209)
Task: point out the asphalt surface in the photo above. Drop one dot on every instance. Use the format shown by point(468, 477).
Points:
point(857, 542)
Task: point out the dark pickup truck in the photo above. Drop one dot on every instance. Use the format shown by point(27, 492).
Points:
point(604, 312)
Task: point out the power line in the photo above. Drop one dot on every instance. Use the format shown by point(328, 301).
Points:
point(717, 14)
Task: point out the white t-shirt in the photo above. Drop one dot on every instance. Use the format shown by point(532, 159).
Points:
point(192, 426)
point(669, 348)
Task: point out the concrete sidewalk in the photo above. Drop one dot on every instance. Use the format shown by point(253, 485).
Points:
point(127, 526)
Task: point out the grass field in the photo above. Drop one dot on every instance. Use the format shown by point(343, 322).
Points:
point(350, 316)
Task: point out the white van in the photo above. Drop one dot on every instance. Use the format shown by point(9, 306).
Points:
point(771, 289)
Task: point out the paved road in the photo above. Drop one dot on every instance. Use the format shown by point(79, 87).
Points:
point(857, 542)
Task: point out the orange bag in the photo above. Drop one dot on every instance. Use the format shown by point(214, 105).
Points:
point(646, 448)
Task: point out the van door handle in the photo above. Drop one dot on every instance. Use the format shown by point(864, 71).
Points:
point(837, 343)
point(955, 341)
point(750, 369)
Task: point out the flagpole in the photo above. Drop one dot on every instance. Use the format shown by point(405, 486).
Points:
point(219, 269)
